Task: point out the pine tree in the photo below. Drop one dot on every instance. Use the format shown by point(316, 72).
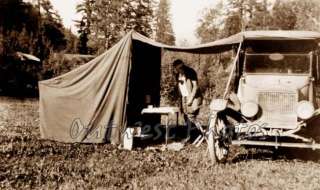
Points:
point(106, 21)
point(284, 17)
point(210, 24)
point(86, 9)
point(164, 31)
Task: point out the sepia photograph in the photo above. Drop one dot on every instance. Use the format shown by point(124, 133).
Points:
point(160, 94)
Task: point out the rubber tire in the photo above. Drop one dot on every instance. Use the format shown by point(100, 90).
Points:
point(212, 141)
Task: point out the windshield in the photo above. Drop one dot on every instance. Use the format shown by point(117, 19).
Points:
point(277, 63)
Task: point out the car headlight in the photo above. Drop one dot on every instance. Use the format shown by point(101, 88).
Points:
point(249, 109)
point(305, 109)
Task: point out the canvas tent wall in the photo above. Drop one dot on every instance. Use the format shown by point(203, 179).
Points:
point(90, 104)
point(95, 102)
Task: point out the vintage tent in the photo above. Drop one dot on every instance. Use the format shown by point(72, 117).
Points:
point(97, 101)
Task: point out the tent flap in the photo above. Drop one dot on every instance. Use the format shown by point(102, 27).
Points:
point(88, 103)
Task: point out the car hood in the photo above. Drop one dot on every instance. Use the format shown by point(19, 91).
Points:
point(250, 85)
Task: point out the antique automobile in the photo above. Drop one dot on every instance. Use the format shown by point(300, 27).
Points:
point(274, 77)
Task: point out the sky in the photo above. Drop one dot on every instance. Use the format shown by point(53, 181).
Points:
point(184, 13)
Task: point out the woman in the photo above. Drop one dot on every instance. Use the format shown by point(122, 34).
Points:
point(190, 92)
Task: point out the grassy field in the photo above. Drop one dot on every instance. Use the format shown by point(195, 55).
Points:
point(28, 162)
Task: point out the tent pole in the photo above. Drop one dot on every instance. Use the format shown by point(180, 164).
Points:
point(232, 71)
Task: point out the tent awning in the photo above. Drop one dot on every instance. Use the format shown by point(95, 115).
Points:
point(215, 46)
point(227, 43)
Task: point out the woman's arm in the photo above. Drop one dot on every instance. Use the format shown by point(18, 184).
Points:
point(193, 92)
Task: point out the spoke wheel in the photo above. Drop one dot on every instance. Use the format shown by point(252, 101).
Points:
point(218, 152)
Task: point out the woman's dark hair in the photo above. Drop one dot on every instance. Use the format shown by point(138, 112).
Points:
point(177, 63)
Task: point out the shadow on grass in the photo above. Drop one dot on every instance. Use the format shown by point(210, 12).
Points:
point(176, 134)
point(237, 154)
point(282, 153)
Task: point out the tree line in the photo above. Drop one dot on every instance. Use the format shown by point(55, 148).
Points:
point(36, 28)
point(104, 22)
point(232, 16)
point(32, 29)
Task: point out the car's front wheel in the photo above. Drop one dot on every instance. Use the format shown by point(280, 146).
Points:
point(218, 151)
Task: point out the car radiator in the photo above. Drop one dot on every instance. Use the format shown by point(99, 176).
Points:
point(278, 108)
